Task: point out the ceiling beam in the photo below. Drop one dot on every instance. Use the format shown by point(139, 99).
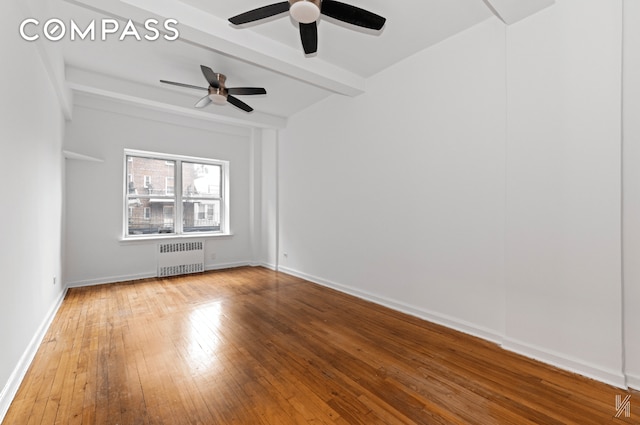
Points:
point(91, 83)
point(216, 34)
point(52, 59)
point(511, 11)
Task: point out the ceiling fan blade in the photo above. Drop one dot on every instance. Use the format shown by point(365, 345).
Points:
point(309, 37)
point(203, 102)
point(246, 90)
point(352, 15)
point(260, 13)
point(210, 76)
point(238, 103)
point(183, 85)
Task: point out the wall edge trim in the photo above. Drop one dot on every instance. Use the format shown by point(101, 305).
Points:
point(430, 316)
point(633, 381)
point(570, 364)
point(148, 275)
point(611, 377)
point(15, 380)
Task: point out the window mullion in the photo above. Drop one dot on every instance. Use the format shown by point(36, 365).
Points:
point(224, 173)
point(177, 175)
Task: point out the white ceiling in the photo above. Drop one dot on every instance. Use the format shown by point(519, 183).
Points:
point(412, 25)
point(266, 54)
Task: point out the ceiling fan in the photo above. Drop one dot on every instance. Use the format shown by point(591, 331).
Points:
point(220, 94)
point(307, 12)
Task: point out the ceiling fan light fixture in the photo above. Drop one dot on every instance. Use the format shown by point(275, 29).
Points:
point(218, 99)
point(304, 11)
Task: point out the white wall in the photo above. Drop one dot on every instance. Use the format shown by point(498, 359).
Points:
point(563, 187)
point(31, 132)
point(398, 195)
point(94, 251)
point(268, 255)
point(631, 193)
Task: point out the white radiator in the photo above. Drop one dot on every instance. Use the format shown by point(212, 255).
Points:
point(177, 258)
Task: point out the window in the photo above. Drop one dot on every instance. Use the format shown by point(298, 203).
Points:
point(169, 185)
point(193, 200)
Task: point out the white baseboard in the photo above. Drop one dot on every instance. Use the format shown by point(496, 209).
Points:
point(146, 275)
point(430, 316)
point(222, 266)
point(13, 384)
point(633, 381)
point(111, 279)
point(612, 377)
point(562, 361)
point(265, 265)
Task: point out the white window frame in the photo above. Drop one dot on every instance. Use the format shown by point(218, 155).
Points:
point(225, 227)
point(146, 181)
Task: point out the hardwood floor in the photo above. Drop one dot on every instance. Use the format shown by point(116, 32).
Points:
point(252, 346)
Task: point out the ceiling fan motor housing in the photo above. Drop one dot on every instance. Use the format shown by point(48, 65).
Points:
point(304, 11)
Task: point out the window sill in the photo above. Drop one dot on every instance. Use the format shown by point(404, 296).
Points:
point(160, 238)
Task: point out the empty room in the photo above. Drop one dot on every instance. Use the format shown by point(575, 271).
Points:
point(320, 212)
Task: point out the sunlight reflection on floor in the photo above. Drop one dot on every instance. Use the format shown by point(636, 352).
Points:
point(204, 337)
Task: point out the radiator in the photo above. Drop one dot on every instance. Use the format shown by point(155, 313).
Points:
point(177, 258)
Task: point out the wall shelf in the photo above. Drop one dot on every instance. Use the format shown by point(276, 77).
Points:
point(80, 157)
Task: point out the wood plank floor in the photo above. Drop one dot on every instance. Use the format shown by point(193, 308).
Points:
point(252, 346)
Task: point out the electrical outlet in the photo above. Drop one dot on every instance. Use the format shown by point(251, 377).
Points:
point(285, 255)
point(55, 280)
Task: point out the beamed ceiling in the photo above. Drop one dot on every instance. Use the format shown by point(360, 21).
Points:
point(266, 54)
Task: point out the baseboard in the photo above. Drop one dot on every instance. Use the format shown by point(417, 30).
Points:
point(222, 266)
point(265, 265)
point(633, 381)
point(562, 361)
point(147, 275)
point(430, 316)
point(612, 377)
point(13, 384)
point(559, 360)
point(111, 279)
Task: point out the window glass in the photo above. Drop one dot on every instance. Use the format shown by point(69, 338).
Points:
point(201, 216)
point(201, 197)
point(200, 180)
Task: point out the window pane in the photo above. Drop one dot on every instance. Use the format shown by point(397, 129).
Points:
point(150, 196)
point(149, 176)
point(201, 216)
point(150, 216)
point(201, 180)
